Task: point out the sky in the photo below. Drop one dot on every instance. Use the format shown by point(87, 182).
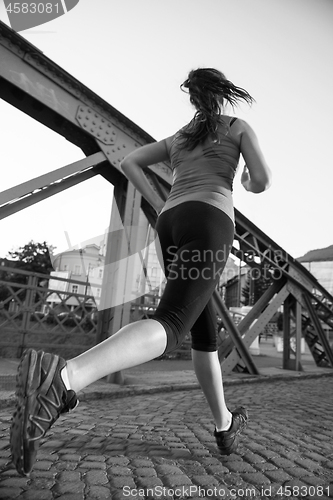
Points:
point(135, 54)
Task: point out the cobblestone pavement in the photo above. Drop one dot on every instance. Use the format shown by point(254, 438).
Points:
point(161, 446)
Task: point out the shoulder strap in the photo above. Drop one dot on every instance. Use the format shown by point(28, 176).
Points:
point(232, 121)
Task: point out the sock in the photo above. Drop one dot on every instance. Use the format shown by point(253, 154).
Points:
point(227, 427)
point(65, 379)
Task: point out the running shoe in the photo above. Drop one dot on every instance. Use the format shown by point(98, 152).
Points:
point(227, 441)
point(41, 397)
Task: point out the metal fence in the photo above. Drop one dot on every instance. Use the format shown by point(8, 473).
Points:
point(38, 310)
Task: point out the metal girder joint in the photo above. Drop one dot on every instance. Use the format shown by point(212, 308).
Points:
point(98, 126)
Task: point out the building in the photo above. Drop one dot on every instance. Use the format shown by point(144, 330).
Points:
point(84, 267)
point(87, 266)
point(320, 263)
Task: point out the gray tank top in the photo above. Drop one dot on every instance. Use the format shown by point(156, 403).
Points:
point(206, 173)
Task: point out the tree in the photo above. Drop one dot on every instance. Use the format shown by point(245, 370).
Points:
point(34, 257)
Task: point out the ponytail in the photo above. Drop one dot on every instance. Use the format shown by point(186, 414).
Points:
point(209, 91)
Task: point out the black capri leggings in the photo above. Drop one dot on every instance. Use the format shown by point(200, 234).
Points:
point(195, 240)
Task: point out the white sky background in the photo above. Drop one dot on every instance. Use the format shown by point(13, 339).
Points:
point(136, 53)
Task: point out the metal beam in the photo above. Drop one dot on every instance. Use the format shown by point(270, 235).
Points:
point(227, 345)
point(253, 332)
point(28, 68)
point(298, 366)
point(260, 305)
point(58, 187)
point(287, 363)
point(253, 240)
point(27, 199)
point(316, 323)
point(35, 84)
point(27, 188)
point(235, 335)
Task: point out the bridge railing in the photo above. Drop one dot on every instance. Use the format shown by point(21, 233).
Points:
point(40, 311)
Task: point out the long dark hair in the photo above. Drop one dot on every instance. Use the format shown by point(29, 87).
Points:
point(209, 91)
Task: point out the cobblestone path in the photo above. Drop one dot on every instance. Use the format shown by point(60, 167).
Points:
point(161, 446)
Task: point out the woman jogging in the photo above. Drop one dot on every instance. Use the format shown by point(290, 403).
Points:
point(195, 228)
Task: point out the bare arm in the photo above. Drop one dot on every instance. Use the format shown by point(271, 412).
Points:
point(134, 163)
point(257, 176)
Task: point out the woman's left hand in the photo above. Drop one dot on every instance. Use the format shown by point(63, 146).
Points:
point(245, 178)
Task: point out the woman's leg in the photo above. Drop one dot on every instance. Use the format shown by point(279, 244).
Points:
point(132, 345)
point(208, 371)
point(207, 365)
point(46, 387)
point(202, 237)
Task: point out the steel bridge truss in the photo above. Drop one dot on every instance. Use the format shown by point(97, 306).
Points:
point(37, 86)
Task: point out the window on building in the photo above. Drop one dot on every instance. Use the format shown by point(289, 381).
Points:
point(65, 267)
point(100, 273)
point(75, 288)
point(77, 270)
point(98, 292)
